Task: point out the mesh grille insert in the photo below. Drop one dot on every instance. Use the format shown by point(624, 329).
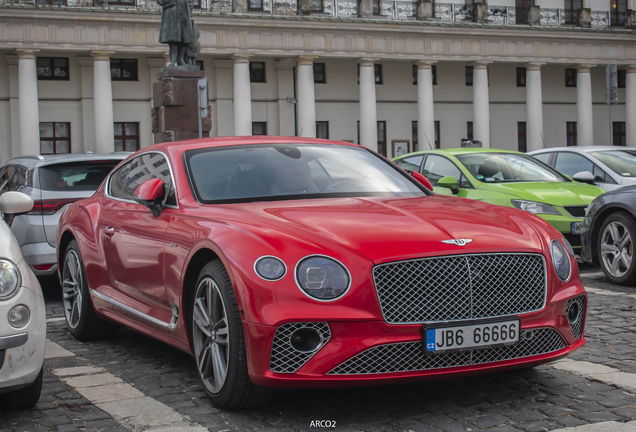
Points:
point(284, 358)
point(576, 211)
point(460, 287)
point(408, 357)
point(577, 327)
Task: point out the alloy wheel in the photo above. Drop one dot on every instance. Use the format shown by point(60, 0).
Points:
point(211, 335)
point(617, 249)
point(72, 289)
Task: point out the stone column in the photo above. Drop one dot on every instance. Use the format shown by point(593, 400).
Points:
point(584, 18)
point(12, 146)
point(28, 103)
point(103, 100)
point(585, 118)
point(368, 109)
point(224, 97)
point(481, 104)
point(365, 8)
point(534, 107)
point(424, 10)
point(630, 14)
point(242, 95)
point(630, 106)
point(425, 108)
point(286, 117)
point(87, 100)
point(480, 12)
point(306, 97)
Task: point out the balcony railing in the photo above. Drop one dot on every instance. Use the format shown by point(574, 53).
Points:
point(388, 10)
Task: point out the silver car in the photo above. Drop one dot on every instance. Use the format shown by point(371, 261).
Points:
point(608, 167)
point(53, 182)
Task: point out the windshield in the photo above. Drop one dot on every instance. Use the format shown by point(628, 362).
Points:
point(293, 171)
point(622, 162)
point(75, 176)
point(508, 168)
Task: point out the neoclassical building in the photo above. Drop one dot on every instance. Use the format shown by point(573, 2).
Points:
point(391, 75)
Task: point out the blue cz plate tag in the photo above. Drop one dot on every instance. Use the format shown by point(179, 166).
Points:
point(470, 335)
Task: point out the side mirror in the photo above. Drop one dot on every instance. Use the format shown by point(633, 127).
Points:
point(13, 204)
point(150, 194)
point(449, 182)
point(422, 180)
point(584, 177)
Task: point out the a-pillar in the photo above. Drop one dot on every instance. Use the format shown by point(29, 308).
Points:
point(285, 71)
point(368, 109)
point(242, 95)
point(306, 97)
point(585, 118)
point(630, 105)
point(103, 99)
point(425, 108)
point(481, 104)
point(534, 107)
point(28, 103)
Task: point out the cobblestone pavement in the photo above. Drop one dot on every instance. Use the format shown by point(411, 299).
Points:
point(566, 394)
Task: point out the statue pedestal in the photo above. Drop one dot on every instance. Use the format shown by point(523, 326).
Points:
point(175, 107)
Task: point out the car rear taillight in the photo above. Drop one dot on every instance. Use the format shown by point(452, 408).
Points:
point(43, 267)
point(50, 206)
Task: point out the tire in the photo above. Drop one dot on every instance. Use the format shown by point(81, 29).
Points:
point(81, 319)
point(28, 396)
point(615, 248)
point(218, 342)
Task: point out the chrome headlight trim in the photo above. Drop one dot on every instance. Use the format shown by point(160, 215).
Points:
point(300, 261)
point(540, 208)
point(8, 265)
point(258, 260)
point(555, 244)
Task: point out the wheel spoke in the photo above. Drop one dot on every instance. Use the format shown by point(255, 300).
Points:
point(613, 230)
point(214, 310)
point(627, 260)
point(615, 265)
point(69, 294)
point(74, 313)
point(204, 358)
point(219, 366)
point(201, 317)
point(608, 248)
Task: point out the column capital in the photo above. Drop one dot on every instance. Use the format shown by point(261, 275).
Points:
point(481, 64)
point(584, 68)
point(241, 58)
point(156, 62)
point(367, 61)
point(85, 61)
point(424, 64)
point(12, 59)
point(307, 60)
point(286, 64)
point(101, 55)
point(534, 66)
point(27, 53)
point(630, 69)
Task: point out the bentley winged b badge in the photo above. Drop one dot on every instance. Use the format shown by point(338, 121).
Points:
point(458, 242)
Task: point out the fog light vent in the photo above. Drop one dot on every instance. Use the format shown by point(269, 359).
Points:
point(575, 312)
point(295, 344)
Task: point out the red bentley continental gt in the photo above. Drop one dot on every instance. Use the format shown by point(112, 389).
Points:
point(293, 262)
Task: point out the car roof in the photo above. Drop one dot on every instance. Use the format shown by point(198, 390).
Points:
point(462, 150)
point(33, 161)
point(575, 149)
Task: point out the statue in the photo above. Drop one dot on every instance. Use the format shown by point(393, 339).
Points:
point(177, 30)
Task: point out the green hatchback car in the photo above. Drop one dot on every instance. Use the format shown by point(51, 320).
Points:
point(507, 178)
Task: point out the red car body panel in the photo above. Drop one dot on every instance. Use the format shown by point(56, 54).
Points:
point(143, 264)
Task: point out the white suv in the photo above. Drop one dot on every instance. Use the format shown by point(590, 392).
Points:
point(22, 314)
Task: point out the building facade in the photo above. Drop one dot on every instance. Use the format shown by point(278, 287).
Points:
point(391, 75)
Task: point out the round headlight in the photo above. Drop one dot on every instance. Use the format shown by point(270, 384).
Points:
point(19, 316)
point(270, 268)
point(322, 278)
point(561, 261)
point(9, 279)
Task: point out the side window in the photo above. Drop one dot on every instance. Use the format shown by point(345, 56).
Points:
point(412, 163)
point(437, 167)
point(5, 179)
point(572, 163)
point(129, 176)
point(601, 176)
point(543, 157)
point(19, 179)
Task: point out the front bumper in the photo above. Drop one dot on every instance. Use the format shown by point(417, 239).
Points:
point(373, 352)
point(563, 224)
point(587, 252)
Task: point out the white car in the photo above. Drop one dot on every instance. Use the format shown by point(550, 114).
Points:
point(608, 167)
point(22, 314)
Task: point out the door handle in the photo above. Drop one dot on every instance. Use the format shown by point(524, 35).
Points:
point(109, 231)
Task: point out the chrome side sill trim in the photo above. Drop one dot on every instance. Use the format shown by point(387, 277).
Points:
point(13, 341)
point(168, 326)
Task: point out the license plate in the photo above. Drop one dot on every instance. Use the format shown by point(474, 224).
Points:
point(470, 335)
point(577, 227)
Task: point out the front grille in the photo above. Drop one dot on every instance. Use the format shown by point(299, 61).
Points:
point(460, 287)
point(284, 358)
point(408, 357)
point(574, 239)
point(576, 211)
point(577, 327)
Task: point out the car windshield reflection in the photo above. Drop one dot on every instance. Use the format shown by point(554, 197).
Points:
point(622, 162)
point(508, 168)
point(290, 171)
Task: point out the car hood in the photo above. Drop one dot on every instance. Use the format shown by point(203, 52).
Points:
point(9, 247)
point(388, 229)
point(553, 193)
